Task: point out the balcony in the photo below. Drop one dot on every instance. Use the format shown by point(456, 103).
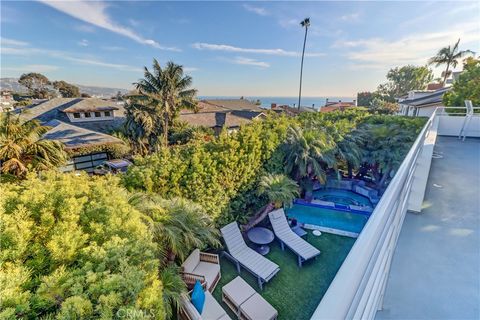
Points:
point(418, 256)
point(434, 272)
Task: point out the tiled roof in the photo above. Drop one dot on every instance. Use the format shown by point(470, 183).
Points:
point(74, 137)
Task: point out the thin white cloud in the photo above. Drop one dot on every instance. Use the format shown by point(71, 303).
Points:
point(257, 10)
point(95, 14)
point(249, 62)
point(32, 68)
point(83, 43)
point(190, 69)
point(412, 49)
point(350, 16)
point(85, 28)
point(229, 48)
point(12, 42)
point(63, 55)
point(113, 48)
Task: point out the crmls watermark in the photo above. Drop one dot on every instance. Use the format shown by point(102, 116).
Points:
point(135, 314)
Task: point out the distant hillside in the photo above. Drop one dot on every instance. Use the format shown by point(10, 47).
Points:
point(13, 85)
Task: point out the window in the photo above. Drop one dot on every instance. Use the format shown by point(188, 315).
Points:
point(88, 114)
point(107, 114)
point(97, 114)
point(76, 115)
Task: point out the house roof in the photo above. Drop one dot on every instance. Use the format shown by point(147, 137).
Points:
point(90, 105)
point(75, 137)
point(433, 98)
point(55, 109)
point(233, 104)
point(220, 119)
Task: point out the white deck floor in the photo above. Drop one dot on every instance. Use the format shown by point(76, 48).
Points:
point(436, 265)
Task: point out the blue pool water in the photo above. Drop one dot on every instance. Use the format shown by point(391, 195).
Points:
point(341, 196)
point(331, 218)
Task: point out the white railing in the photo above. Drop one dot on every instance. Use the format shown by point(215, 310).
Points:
point(357, 290)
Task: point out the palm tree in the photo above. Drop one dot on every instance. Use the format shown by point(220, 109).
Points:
point(22, 146)
point(308, 154)
point(305, 23)
point(449, 56)
point(279, 190)
point(178, 225)
point(166, 91)
point(141, 126)
point(173, 289)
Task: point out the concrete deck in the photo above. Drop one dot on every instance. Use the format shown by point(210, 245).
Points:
point(436, 265)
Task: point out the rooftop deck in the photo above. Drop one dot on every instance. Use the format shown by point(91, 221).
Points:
point(435, 268)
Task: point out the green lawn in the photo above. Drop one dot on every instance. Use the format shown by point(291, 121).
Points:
point(295, 292)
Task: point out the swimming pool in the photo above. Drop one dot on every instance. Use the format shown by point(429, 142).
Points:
point(329, 217)
point(345, 197)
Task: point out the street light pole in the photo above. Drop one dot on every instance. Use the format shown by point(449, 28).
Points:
point(305, 23)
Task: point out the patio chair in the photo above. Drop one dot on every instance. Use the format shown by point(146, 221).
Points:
point(286, 236)
point(212, 310)
point(201, 266)
point(241, 254)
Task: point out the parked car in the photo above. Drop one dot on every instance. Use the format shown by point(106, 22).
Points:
point(112, 166)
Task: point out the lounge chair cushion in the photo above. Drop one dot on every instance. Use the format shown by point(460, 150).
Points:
point(212, 309)
point(209, 270)
point(257, 263)
point(257, 307)
point(198, 297)
point(276, 214)
point(191, 262)
point(188, 308)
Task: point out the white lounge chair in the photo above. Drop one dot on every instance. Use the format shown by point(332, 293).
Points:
point(241, 254)
point(286, 236)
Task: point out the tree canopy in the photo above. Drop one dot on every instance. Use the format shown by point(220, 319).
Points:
point(467, 86)
point(449, 57)
point(162, 94)
point(66, 89)
point(22, 147)
point(73, 247)
point(401, 80)
point(37, 84)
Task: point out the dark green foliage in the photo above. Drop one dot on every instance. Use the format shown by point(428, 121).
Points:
point(209, 173)
point(222, 175)
point(467, 87)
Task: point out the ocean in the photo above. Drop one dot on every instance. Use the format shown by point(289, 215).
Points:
point(266, 102)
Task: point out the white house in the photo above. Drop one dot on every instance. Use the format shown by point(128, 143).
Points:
point(422, 103)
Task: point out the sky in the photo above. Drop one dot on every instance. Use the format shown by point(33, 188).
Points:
point(232, 48)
